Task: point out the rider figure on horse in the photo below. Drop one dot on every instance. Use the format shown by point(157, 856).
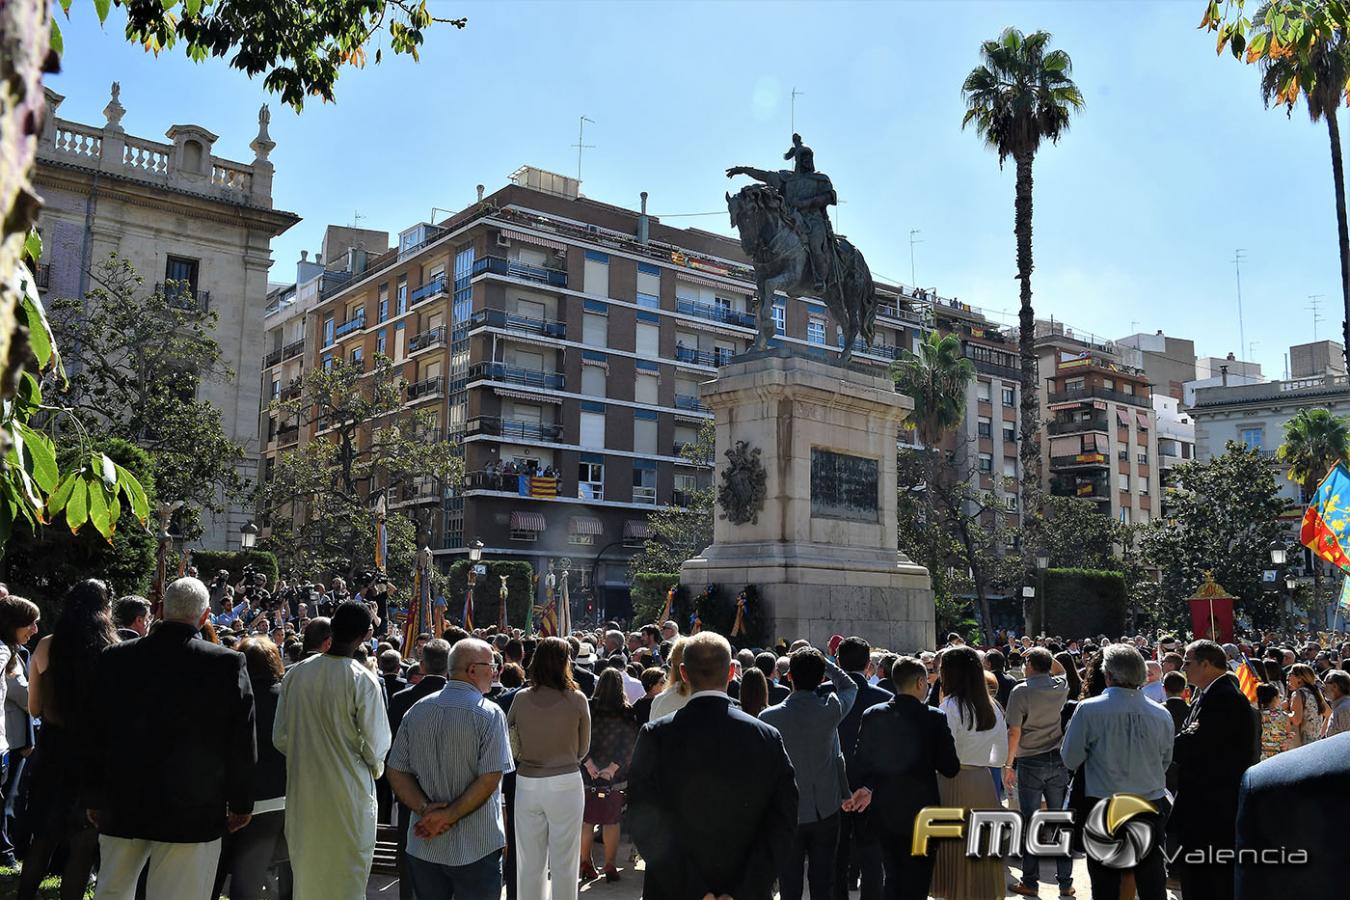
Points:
point(808, 194)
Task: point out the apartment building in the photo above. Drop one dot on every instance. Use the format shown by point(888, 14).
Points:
point(1101, 439)
point(179, 213)
point(561, 342)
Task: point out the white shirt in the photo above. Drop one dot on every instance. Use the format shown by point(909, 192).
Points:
point(633, 688)
point(977, 748)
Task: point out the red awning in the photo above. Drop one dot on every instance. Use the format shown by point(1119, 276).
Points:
point(1142, 419)
point(1123, 417)
point(527, 521)
point(637, 528)
point(585, 525)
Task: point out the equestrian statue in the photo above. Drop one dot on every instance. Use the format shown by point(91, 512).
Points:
point(785, 230)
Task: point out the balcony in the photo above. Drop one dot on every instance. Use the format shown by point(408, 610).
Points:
point(646, 495)
point(332, 282)
point(1080, 461)
point(182, 296)
point(682, 499)
point(683, 401)
point(288, 434)
point(697, 357)
point(290, 391)
point(350, 326)
point(1101, 393)
point(714, 313)
point(272, 358)
point(432, 337)
point(281, 354)
point(1094, 489)
point(497, 318)
point(430, 289)
point(498, 265)
point(495, 426)
point(1093, 424)
point(534, 378)
point(427, 387)
point(901, 313)
point(545, 486)
point(988, 367)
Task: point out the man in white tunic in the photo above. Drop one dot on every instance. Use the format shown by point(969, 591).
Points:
point(332, 726)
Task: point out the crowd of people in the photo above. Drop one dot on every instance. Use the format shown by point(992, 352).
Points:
point(198, 750)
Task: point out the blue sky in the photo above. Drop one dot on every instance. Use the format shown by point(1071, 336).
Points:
point(1174, 164)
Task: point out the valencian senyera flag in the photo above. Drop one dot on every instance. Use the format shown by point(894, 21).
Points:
point(1326, 524)
point(1247, 679)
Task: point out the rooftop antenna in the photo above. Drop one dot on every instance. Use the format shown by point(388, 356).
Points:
point(912, 280)
point(1134, 329)
point(1251, 355)
point(1237, 270)
point(581, 143)
point(1314, 301)
point(795, 94)
point(356, 218)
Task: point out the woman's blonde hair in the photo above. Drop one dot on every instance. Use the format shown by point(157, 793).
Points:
point(674, 683)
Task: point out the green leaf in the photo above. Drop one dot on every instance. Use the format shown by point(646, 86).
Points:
point(192, 7)
point(77, 508)
point(32, 245)
point(42, 453)
point(58, 45)
point(101, 7)
point(39, 329)
point(57, 500)
point(98, 511)
point(135, 494)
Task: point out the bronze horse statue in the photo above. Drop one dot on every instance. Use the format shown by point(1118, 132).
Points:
point(778, 250)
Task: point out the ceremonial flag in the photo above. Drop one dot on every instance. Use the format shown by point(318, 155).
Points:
point(1247, 679)
point(1344, 603)
point(670, 602)
point(529, 607)
point(381, 539)
point(410, 631)
point(183, 563)
point(468, 609)
point(501, 610)
point(1328, 517)
point(695, 623)
point(564, 610)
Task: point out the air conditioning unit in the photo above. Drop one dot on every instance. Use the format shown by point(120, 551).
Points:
point(503, 240)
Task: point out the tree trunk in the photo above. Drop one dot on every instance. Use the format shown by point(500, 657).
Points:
point(1030, 406)
point(1342, 233)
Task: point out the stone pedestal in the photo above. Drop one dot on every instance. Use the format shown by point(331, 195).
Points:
point(822, 549)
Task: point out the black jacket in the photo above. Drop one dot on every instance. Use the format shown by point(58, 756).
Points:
point(585, 680)
point(1214, 748)
point(902, 746)
point(181, 708)
point(695, 845)
point(392, 684)
point(868, 697)
point(400, 703)
point(1293, 801)
point(269, 779)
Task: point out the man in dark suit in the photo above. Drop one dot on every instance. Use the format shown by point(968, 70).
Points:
point(712, 800)
point(1213, 750)
point(855, 839)
point(435, 667)
point(1289, 803)
point(767, 663)
point(187, 705)
point(391, 675)
point(902, 746)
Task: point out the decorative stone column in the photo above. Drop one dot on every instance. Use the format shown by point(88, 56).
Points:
point(260, 189)
point(819, 539)
point(114, 145)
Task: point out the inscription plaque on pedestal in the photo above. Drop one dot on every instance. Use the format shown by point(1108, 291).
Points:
point(843, 486)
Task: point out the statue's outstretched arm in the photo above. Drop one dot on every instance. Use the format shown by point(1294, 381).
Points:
point(770, 178)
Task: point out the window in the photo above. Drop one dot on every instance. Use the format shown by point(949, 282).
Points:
point(815, 330)
point(1143, 485)
point(1109, 384)
point(1127, 388)
point(984, 428)
point(1009, 467)
point(1009, 433)
point(382, 310)
point(358, 357)
point(1143, 458)
point(592, 429)
point(328, 331)
point(1009, 397)
point(1010, 502)
point(648, 339)
point(276, 389)
point(779, 318)
point(644, 432)
point(381, 337)
point(1125, 483)
point(1124, 515)
point(724, 307)
point(328, 362)
point(591, 481)
point(646, 389)
point(982, 391)
point(524, 534)
point(722, 353)
point(1254, 438)
point(402, 299)
point(644, 485)
point(584, 540)
point(593, 381)
point(183, 271)
point(648, 301)
point(595, 276)
point(986, 462)
point(594, 330)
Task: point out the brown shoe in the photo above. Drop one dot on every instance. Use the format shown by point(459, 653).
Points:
point(1024, 891)
point(1067, 892)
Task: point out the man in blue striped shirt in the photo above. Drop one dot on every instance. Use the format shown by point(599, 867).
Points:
point(446, 766)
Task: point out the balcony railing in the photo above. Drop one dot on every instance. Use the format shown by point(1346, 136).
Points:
point(429, 338)
point(292, 350)
point(588, 490)
point(180, 297)
point(714, 313)
point(1078, 427)
point(332, 282)
point(495, 426)
point(272, 358)
point(288, 434)
point(904, 314)
point(426, 387)
point(430, 289)
point(1080, 460)
point(537, 485)
point(515, 375)
point(1101, 393)
point(988, 367)
point(681, 498)
point(497, 318)
point(498, 265)
point(683, 401)
point(290, 391)
point(644, 495)
point(697, 357)
point(351, 325)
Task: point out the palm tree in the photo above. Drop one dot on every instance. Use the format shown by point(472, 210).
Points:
point(1314, 441)
point(1020, 96)
point(1317, 68)
point(936, 378)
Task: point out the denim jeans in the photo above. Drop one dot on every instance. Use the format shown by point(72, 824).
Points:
point(1043, 775)
point(813, 848)
point(479, 880)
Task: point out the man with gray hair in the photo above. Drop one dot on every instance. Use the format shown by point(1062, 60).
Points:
point(1123, 741)
point(192, 710)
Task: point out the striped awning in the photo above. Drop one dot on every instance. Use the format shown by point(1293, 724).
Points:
point(527, 521)
point(1123, 417)
point(532, 239)
point(708, 283)
point(637, 528)
point(1142, 419)
point(521, 395)
point(585, 525)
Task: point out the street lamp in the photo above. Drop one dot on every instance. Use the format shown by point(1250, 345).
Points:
point(1278, 553)
point(248, 536)
point(475, 551)
point(1042, 563)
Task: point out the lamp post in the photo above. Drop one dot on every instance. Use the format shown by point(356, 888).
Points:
point(248, 536)
point(1042, 563)
point(475, 555)
point(1279, 556)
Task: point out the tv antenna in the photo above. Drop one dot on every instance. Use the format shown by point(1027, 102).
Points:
point(913, 231)
point(1315, 301)
point(581, 142)
point(795, 94)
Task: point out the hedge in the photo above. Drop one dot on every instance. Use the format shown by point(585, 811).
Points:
point(520, 592)
point(649, 592)
point(209, 562)
point(1081, 601)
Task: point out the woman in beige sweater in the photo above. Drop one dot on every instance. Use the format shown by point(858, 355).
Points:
point(550, 728)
